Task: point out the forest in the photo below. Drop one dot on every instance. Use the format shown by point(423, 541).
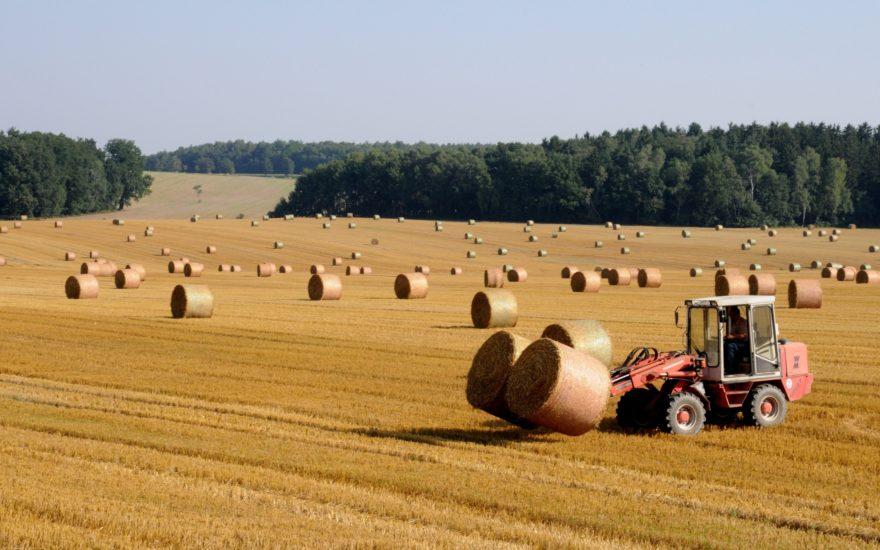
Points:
point(43, 174)
point(744, 175)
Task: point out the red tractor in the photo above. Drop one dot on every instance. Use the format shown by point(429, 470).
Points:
point(733, 362)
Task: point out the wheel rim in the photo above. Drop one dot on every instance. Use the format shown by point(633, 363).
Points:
point(686, 417)
point(769, 408)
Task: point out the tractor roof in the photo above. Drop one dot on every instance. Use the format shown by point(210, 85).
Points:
point(724, 301)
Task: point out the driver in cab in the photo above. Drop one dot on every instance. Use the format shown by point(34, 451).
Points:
point(736, 341)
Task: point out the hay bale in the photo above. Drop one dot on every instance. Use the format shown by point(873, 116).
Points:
point(835, 231)
point(142, 273)
point(771, 251)
point(834, 264)
point(325, 287)
point(634, 273)
point(277, 245)
point(754, 267)
point(4, 229)
point(127, 279)
point(90, 268)
point(752, 241)
point(794, 267)
point(493, 278)
point(585, 335)
point(478, 240)
point(621, 237)
point(2, 261)
point(455, 271)
point(468, 235)
point(527, 229)
point(762, 284)
point(438, 228)
point(568, 271)
point(764, 227)
point(517, 275)
point(423, 269)
point(490, 369)
point(829, 272)
point(326, 225)
point(772, 233)
point(506, 267)
point(411, 286)
point(815, 264)
point(16, 225)
point(617, 227)
point(236, 268)
point(624, 250)
point(502, 251)
point(224, 268)
point(873, 248)
point(192, 302)
point(619, 276)
point(847, 274)
point(148, 232)
point(210, 249)
point(23, 217)
point(598, 244)
point(640, 234)
point(719, 227)
point(472, 222)
point(131, 238)
point(585, 281)
point(366, 270)
point(220, 216)
point(316, 269)
point(852, 226)
point(285, 268)
point(558, 387)
point(176, 266)
point(333, 217)
point(319, 216)
point(471, 254)
point(731, 285)
point(807, 233)
point(720, 263)
point(69, 256)
point(868, 277)
point(194, 219)
point(377, 217)
point(562, 229)
point(685, 233)
point(865, 267)
point(355, 255)
point(59, 224)
point(696, 272)
point(745, 246)
point(542, 253)
point(533, 238)
point(822, 233)
point(804, 294)
point(336, 261)
point(494, 308)
point(193, 269)
point(604, 271)
point(352, 225)
point(117, 221)
point(352, 270)
point(650, 277)
point(255, 223)
point(265, 269)
point(609, 225)
point(833, 238)
point(530, 222)
point(401, 219)
point(165, 252)
point(81, 287)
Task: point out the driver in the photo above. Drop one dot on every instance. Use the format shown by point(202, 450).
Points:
point(736, 341)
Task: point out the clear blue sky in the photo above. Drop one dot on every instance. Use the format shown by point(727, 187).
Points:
point(177, 73)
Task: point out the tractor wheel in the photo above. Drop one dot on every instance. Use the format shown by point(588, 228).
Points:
point(635, 410)
point(684, 415)
point(765, 407)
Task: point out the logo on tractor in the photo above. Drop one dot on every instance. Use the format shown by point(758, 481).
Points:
point(788, 383)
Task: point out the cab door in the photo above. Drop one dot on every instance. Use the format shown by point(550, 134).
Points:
point(765, 349)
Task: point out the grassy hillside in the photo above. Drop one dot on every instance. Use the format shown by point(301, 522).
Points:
point(173, 196)
point(280, 421)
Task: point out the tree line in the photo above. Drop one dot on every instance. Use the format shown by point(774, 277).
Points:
point(744, 175)
point(44, 175)
point(245, 157)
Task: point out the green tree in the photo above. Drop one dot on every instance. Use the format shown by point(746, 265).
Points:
point(125, 172)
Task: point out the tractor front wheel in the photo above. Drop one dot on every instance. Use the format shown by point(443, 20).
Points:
point(765, 407)
point(685, 414)
point(636, 410)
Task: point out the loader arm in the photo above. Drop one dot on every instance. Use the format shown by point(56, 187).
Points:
point(662, 366)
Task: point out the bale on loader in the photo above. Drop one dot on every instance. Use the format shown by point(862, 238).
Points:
point(192, 301)
point(568, 271)
point(517, 275)
point(585, 335)
point(411, 286)
point(650, 277)
point(494, 308)
point(558, 387)
point(619, 276)
point(493, 278)
point(325, 287)
point(585, 281)
point(80, 287)
point(762, 284)
point(731, 285)
point(127, 278)
point(804, 294)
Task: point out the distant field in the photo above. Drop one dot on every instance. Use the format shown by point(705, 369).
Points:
point(284, 422)
point(173, 196)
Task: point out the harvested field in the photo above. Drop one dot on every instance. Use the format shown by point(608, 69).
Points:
point(281, 419)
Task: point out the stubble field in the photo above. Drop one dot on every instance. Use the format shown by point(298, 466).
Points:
point(282, 422)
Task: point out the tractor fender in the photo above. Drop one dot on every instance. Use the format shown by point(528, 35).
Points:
point(678, 386)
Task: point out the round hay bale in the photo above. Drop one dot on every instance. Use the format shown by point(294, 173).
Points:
point(731, 285)
point(829, 272)
point(69, 256)
point(719, 227)
point(423, 269)
point(165, 252)
point(685, 233)
point(752, 241)
point(634, 274)
point(835, 231)
point(865, 267)
point(762, 284)
point(745, 246)
point(4, 229)
point(771, 251)
point(804, 294)
point(193, 269)
point(349, 215)
point(455, 271)
point(868, 277)
point(558, 387)
point(624, 250)
point(621, 237)
point(255, 223)
point(494, 308)
point(265, 269)
point(650, 277)
point(720, 263)
point(542, 253)
point(617, 226)
point(604, 271)
point(562, 229)
point(438, 228)
point(59, 224)
point(493, 278)
point(220, 216)
point(278, 245)
point(224, 268)
point(568, 271)
point(517, 275)
point(326, 225)
point(374, 242)
point(815, 264)
point(210, 249)
point(471, 254)
point(754, 267)
point(619, 276)
point(127, 279)
point(852, 226)
point(316, 269)
point(833, 238)
point(468, 235)
point(411, 286)
point(325, 287)
point(319, 216)
point(81, 287)
point(506, 267)
point(873, 248)
point(487, 377)
point(696, 272)
point(530, 222)
point(822, 233)
point(598, 244)
point(401, 219)
point(847, 274)
point(355, 255)
point(478, 240)
point(176, 266)
point(502, 251)
point(472, 222)
point(807, 233)
point(811, 226)
point(609, 225)
point(585, 281)
point(834, 264)
point(236, 269)
point(533, 238)
point(336, 261)
point(94, 254)
point(527, 229)
point(352, 225)
point(117, 221)
point(764, 227)
point(142, 273)
point(352, 270)
point(148, 232)
point(640, 234)
point(192, 302)
point(285, 268)
point(772, 233)
point(184, 259)
point(377, 217)
point(794, 267)
point(194, 219)
point(16, 225)
point(366, 270)
point(585, 335)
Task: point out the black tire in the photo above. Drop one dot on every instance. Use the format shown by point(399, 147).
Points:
point(685, 414)
point(765, 407)
point(635, 409)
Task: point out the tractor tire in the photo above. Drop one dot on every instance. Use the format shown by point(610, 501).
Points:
point(685, 414)
point(635, 410)
point(765, 407)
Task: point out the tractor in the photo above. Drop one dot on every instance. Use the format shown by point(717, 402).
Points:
point(718, 375)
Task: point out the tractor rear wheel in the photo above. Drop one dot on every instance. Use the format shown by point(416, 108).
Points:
point(765, 407)
point(635, 409)
point(684, 415)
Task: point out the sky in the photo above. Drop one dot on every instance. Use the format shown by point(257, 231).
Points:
point(169, 74)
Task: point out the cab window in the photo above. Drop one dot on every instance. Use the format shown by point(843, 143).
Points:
point(765, 330)
point(703, 324)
